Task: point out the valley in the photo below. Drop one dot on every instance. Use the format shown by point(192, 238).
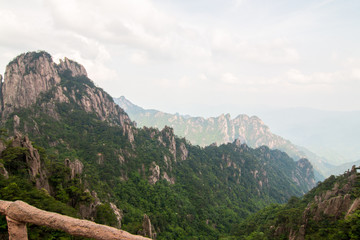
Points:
point(67, 147)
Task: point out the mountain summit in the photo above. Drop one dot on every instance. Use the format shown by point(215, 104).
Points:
point(34, 74)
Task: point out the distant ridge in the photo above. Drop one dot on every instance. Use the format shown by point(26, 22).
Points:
point(222, 129)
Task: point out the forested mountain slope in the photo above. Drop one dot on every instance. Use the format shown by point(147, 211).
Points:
point(222, 129)
point(329, 211)
point(71, 147)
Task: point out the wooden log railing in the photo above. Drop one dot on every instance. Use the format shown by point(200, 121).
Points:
point(19, 213)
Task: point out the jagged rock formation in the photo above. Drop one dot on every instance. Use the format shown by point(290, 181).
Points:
point(31, 74)
point(76, 167)
point(336, 203)
point(155, 173)
point(25, 78)
point(77, 70)
point(178, 151)
point(219, 130)
point(3, 171)
point(331, 210)
point(148, 228)
point(118, 213)
point(203, 132)
point(88, 210)
point(33, 162)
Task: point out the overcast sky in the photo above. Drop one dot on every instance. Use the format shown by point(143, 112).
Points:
point(200, 57)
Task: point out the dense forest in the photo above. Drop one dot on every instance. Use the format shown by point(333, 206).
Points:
point(329, 211)
point(93, 163)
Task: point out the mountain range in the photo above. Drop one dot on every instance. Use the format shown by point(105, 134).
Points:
point(223, 129)
point(66, 147)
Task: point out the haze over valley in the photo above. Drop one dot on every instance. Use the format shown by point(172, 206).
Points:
point(156, 119)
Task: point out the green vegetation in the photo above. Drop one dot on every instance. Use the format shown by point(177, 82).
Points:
point(205, 196)
point(277, 221)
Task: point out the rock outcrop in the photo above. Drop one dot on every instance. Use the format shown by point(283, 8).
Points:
point(3, 171)
point(75, 68)
point(183, 152)
point(34, 73)
point(155, 173)
point(332, 204)
point(167, 139)
point(88, 210)
point(76, 167)
point(118, 213)
point(33, 161)
point(26, 77)
point(148, 229)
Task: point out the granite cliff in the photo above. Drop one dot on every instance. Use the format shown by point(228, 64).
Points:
point(31, 75)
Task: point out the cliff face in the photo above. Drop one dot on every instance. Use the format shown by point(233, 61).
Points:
point(331, 210)
point(30, 75)
point(30, 158)
point(336, 203)
point(334, 200)
point(25, 78)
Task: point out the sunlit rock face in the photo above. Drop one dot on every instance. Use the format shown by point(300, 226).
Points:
point(32, 74)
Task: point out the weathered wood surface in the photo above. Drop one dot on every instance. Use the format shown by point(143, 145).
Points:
point(19, 213)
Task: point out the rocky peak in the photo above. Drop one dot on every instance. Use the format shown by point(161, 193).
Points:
point(29, 75)
point(167, 139)
point(127, 105)
point(76, 69)
point(25, 78)
point(33, 73)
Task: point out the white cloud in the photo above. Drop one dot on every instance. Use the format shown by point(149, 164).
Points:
point(139, 57)
point(127, 46)
point(274, 51)
point(332, 79)
point(355, 73)
point(238, 3)
point(229, 78)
